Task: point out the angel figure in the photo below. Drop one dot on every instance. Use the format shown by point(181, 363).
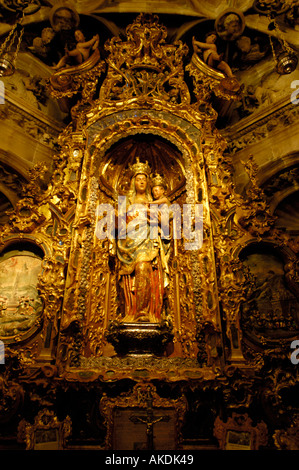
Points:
point(81, 52)
point(41, 45)
point(210, 54)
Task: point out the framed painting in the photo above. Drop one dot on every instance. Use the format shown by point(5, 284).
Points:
point(20, 303)
point(238, 433)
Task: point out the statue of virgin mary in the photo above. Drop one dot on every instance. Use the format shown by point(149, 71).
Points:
point(142, 272)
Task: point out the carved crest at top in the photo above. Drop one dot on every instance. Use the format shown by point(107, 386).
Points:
point(141, 68)
point(144, 47)
point(145, 65)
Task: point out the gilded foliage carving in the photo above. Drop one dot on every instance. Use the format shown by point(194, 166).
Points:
point(11, 391)
point(145, 66)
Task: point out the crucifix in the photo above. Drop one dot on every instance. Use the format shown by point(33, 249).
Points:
point(149, 419)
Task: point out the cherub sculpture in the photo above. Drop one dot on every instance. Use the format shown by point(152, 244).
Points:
point(81, 52)
point(210, 53)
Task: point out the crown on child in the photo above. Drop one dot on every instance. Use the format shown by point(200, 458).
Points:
point(158, 180)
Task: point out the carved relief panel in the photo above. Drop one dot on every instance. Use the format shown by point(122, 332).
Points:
point(269, 313)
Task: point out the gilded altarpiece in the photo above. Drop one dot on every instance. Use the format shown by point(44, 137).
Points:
point(148, 102)
point(144, 112)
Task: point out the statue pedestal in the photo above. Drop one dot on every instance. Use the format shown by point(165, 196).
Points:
point(139, 338)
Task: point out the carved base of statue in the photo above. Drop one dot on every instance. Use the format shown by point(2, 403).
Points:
point(139, 338)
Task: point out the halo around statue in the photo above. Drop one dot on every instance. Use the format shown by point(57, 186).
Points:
point(230, 24)
point(63, 17)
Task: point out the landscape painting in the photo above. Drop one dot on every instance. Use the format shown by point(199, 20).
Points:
point(20, 304)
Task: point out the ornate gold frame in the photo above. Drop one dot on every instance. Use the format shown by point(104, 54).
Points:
point(45, 421)
point(138, 398)
point(240, 424)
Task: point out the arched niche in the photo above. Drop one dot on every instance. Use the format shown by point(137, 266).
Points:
point(112, 171)
point(163, 157)
point(164, 126)
point(171, 146)
point(114, 176)
point(21, 306)
point(269, 314)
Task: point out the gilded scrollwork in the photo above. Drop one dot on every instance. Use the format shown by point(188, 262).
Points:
point(41, 222)
point(47, 431)
point(239, 433)
point(207, 80)
point(11, 391)
point(155, 67)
